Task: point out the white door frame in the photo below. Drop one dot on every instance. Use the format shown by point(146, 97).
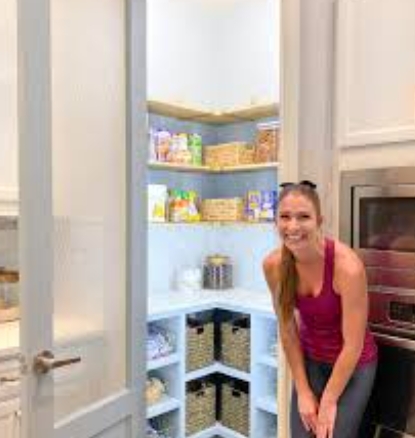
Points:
point(35, 225)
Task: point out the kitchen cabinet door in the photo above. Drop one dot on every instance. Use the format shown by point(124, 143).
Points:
point(375, 72)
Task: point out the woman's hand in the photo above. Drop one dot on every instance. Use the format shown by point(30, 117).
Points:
point(308, 409)
point(326, 418)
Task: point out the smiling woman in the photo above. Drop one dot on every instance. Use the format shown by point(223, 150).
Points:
point(318, 286)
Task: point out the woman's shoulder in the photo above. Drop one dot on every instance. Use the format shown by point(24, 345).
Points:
point(347, 264)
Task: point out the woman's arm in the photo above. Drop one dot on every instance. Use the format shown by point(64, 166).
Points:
point(307, 402)
point(350, 283)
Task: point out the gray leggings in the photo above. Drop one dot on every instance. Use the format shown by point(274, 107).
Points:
point(351, 405)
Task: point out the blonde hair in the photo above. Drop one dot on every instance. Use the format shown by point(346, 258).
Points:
point(288, 272)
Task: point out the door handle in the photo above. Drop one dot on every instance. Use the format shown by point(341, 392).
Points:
point(45, 362)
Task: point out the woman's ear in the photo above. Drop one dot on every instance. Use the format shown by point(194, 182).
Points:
point(320, 220)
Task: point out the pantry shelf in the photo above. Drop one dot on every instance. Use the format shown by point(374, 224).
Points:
point(218, 431)
point(214, 224)
point(218, 368)
point(267, 359)
point(166, 404)
point(163, 362)
point(206, 169)
point(267, 404)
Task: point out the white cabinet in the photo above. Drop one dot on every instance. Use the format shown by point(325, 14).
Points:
point(375, 72)
point(213, 55)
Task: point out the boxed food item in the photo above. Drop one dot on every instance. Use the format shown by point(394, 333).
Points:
point(157, 200)
point(222, 209)
point(267, 142)
point(228, 154)
point(252, 205)
point(195, 148)
point(268, 205)
point(183, 206)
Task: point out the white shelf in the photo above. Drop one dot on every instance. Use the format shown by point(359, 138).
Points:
point(166, 404)
point(267, 359)
point(218, 368)
point(207, 433)
point(163, 362)
point(225, 432)
point(217, 430)
point(267, 404)
point(178, 167)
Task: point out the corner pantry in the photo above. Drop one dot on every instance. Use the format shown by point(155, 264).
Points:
point(212, 361)
point(212, 335)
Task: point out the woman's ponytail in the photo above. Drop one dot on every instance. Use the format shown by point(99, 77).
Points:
point(288, 285)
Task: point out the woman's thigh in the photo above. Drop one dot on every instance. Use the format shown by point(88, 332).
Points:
point(317, 375)
point(352, 403)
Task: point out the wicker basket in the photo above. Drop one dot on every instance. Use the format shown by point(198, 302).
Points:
point(235, 345)
point(200, 345)
point(200, 408)
point(235, 409)
point(228, 154)
point(225, 209)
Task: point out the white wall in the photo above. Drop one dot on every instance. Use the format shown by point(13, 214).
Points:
point(213, 54)
point(8, 97)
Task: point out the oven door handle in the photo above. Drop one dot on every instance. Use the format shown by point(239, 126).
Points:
point(395, 341)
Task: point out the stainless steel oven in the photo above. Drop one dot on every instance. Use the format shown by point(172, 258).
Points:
point(377, 218)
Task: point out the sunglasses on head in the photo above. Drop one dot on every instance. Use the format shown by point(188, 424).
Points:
point(304, 182)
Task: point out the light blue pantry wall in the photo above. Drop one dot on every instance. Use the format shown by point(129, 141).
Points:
point(174, 247)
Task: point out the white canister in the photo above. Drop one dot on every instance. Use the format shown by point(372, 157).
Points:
point(189, 279)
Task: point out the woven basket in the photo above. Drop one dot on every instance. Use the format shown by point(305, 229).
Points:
point(200, 346)
point(200, 408)
point(235, 409)
point(235, 346)
point(228, 154)
point(223, 210)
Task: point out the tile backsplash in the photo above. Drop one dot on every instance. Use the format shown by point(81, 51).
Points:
point(9, 242)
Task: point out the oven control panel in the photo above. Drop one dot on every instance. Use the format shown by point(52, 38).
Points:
point(402, 312)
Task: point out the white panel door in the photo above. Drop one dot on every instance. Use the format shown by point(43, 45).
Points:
point(375, 72)
point(81, 117)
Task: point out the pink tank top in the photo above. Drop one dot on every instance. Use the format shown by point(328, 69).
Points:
point(321, 320)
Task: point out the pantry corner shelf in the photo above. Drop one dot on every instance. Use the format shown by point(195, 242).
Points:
point(214, 224)
point(267, 404)
point(166, 404)
point(176, 167)
point(163, 362)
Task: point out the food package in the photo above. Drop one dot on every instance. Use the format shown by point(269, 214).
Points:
point(267, 142)
point(268, 205)
point(157, 200)
point(183, 206)
point(252, 205)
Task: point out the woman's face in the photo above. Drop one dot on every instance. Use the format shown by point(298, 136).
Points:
point(297, 222)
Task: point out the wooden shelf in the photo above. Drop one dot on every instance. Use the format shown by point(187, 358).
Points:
point(205, 169)
point(213, 224)
point(180, 111)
